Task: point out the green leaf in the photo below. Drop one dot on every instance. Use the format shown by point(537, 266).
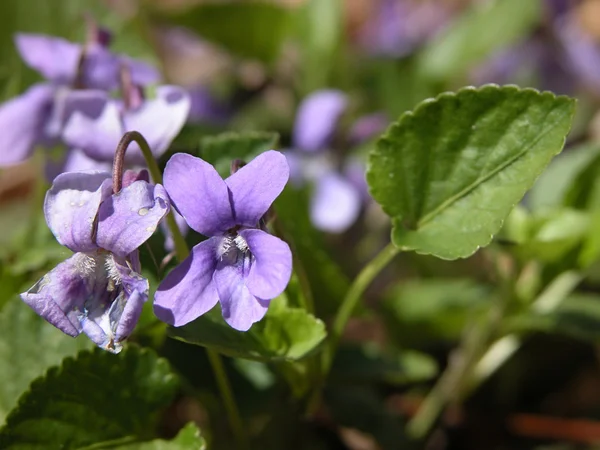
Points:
point(28, 347)
point(284, 334)
point(223, 148)
point(188, 438)
point(577, 317)
point(564, 182)
point(450, 172)
point(426, 311)
point(94, 398)
point(247, 29)
point(488, 26)
point(368, 363)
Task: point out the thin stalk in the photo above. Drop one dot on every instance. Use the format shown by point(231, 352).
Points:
point(182, 251)
point(460, 380)
point(354, 294)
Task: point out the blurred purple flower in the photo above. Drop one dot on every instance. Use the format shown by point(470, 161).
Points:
point(97, 130)
point(397, 27)
point(205, 108)
point(317, 118)
point(338, 194)
point(98, 290)
point(37, 116)
point(240, 265)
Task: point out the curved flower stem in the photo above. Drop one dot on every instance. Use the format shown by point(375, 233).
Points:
point(181, 248)
point(358, 287)
point(182, 251)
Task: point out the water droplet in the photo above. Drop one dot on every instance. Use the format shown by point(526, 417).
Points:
point(143, 211)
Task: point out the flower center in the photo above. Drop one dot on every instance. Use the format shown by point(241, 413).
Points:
point(233, 248)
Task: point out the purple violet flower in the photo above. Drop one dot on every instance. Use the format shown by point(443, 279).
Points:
point(37, 116)
point(338, 193)
point(98, 290)
point(240, 265)
point(97, 131)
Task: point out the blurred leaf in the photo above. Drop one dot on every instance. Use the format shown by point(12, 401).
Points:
point(328, 284)
point(424, 311)
point(451, 171)
point(488, 26)
point(578, 317)
point(247, 29)
point(368, 363)
point(28, 346)
point(188, 438)
point(96, 398)
point(320, 25)
point(284, 334)
point(563, 178)
point(223, 148)
point(363, 408)
point(555, 233)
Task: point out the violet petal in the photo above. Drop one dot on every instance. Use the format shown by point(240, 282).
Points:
point(55, 58)
point(335, 204)
point(127, 219)
point(271, 268)
point(199, 194)
point(159, 120)
point(317, 118)
point(240, 308)
point(21, 121)
point(61, 294)
point(255, 186)
point(71, 207)
point(188, 291)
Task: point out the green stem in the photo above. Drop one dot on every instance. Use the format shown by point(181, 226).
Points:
point(462, 378)
point(502, 349)
point(235, 419)
point(354, 294)
point(182, 251)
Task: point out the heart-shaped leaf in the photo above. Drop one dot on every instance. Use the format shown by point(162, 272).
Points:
point(95, 398)
point(284, 334)
point(450, 172)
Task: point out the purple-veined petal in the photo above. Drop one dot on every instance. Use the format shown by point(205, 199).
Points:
point(271, 268)
point(21, 121)
point(71, 207)
point(61, 294)
point(335, 204)
point(317, 118)
point(199, 194)
point(96, 134)
point(136, 290)
point(127, 219)
point(188, 291)
point(239, 307)
point(255, 186)
point(159, 120)
point(55, 58)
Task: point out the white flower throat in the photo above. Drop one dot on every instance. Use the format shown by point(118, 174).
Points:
point(233, 248)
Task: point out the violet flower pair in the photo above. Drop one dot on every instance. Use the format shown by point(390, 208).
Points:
point(74, 106)
point(339, 190)
point(99, 290)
